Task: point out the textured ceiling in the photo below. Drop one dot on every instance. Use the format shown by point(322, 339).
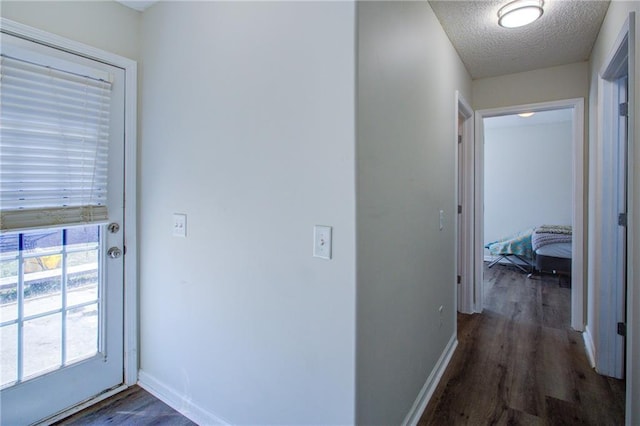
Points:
point(564, 34)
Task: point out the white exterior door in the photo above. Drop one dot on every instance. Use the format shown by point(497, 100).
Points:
point(61, 288)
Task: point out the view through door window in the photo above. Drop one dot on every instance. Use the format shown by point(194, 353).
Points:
point(49, 300)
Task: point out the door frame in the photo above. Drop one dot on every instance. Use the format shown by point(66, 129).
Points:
point(464, 227)
point(606, 347)
point(577, 262)
point(130, 172)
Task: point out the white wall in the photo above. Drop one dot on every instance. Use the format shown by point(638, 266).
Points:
point(105, 25)
point(407, 76)
point(542, 85)
point(527, 177)
point(616, 15)
point(248, 128)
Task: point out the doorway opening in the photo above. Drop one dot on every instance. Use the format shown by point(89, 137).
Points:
point(575, 109)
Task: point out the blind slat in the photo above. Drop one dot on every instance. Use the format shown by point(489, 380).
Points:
point(54, 139)
point(15, 87)
point(30, 129)
point(21, 220)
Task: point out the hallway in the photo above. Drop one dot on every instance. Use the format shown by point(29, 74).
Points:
point(520, 363)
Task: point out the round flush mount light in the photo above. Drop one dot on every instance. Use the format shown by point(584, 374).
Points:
point(519, 13)
point(526, 114)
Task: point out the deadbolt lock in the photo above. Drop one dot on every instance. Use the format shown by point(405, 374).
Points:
point(114, 252)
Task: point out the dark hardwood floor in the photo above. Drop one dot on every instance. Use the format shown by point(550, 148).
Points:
point(519, 362)
point(134, 406)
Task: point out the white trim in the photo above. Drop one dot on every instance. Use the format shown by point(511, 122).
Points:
point(632, 385)
point(606, 253)
point(418, 407)
point(577, 243)
point(464, 255)
point(178, 401)
point(577, 263)
point(613, 65)
point(605, 278)
point(130, 191)
point(478, 204)
point(131, 227)
point(589, 347)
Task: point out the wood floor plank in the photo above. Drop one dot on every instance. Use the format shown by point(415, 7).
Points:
point(512, 417)
point(564, 413)
point(133, 406)
point(520, 363)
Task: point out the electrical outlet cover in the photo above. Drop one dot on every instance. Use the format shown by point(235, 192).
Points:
point(179, 225)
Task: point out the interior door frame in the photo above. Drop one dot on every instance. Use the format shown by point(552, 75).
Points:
point(606, 347)
point(577, 262)
point(129, 227)
point(464, 227)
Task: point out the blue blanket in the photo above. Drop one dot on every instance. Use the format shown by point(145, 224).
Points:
point(519, 244)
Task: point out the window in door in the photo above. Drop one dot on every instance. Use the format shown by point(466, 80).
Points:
point(49, 300)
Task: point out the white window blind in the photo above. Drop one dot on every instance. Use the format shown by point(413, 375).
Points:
point(54, 134)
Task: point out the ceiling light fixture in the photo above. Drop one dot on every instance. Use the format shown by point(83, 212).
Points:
point(526, 114)
point(519, 13)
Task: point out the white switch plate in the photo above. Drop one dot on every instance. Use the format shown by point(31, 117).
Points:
point(179, 225)
point(441, 219)
point(322, 241)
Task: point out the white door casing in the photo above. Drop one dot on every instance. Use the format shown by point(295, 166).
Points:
point(577, 263)
point(464, 197)
point(608, 252)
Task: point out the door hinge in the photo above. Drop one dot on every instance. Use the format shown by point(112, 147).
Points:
point(622, 329)
point(459, 279)
point(624, 109)
point(459, 209)
point(622, 219)
point(459, 138)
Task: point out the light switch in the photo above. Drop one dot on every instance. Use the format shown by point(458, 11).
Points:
point(179, 225)
point(322, 241)
point(441, 219)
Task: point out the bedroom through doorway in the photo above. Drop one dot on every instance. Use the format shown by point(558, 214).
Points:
point(529, 169)
point(528, 208)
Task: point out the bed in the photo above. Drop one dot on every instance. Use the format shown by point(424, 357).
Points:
point(516, 248)
point(551, 246)
point(546, 248)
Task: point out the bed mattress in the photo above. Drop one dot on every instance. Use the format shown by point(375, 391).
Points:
point(561, 250)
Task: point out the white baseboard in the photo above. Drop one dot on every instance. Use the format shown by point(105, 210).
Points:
point(177, 401)
point(589, 346)
point(413, 417)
